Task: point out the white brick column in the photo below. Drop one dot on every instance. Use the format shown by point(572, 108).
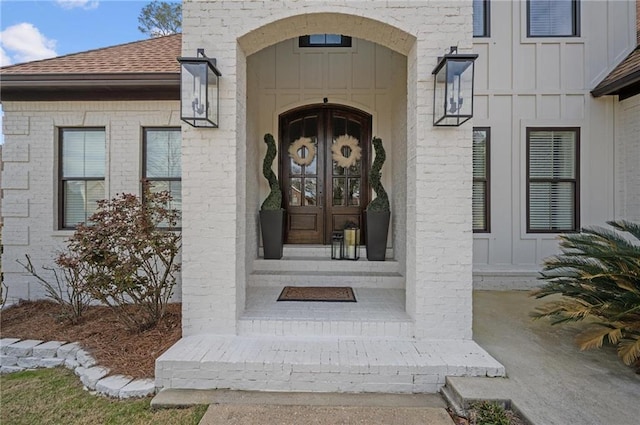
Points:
point(210, 192)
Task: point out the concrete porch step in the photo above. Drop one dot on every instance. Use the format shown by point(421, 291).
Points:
point(355, 279)
point(320, 364)
point(322, 251)
point(325, 264)
point(325, 328)
point(376, 313)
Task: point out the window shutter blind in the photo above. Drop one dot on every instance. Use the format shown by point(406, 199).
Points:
point(479, 194)
point(552, 180)
point(551, 18)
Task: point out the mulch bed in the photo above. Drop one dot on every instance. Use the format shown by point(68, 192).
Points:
point(109, 342)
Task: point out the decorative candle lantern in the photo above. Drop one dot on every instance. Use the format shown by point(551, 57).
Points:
point(351, 245)
point(337, 241)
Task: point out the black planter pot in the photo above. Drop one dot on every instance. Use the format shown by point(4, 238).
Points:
point(272, 226)
point(377, 230)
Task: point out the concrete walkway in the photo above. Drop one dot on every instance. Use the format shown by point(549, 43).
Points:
point(549, 379)
point(228, 407)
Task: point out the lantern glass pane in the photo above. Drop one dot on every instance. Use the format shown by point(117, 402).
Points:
point(440, 93)
point(212, 96)
point(193, 93)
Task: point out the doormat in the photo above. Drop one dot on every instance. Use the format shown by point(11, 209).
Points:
point(334, 294)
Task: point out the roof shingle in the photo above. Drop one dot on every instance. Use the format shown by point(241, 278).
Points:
point(154, 55)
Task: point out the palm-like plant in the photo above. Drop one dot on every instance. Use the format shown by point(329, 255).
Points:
point(598, 273)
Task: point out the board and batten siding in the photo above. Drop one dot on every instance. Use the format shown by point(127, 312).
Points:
point(525, 82)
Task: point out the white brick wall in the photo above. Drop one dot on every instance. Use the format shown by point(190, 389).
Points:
point(29, 207)
point(217, 164)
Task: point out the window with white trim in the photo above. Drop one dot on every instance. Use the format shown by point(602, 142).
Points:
point(81, 174)
point(552, 180)
point(162, 162)
point(553, 18)
point(480, 197)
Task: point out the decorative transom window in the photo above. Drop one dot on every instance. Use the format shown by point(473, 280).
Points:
point(552, 180)
point(162, 162)
point(481, 18)
point(81, 175)
point(324, 40)
point(480, 204)
point(553, 18)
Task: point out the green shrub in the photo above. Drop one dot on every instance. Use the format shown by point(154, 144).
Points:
point(129, 257)
point(489, 413)
point(598, 273)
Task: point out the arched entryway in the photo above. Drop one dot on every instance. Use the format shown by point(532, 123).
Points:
point(324, 158)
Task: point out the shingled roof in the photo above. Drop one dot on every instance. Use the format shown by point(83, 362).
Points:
point(624, 80)
point(145, 69)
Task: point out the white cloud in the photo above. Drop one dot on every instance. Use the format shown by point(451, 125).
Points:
point(84, 4)
point(4, 58)
point(24, 42)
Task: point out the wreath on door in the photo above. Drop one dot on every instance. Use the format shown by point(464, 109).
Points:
point(297, 146)
point(354, 154)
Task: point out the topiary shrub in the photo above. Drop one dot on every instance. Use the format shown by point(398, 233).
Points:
point(598, 273)
point(274, 200)
point(381, 203)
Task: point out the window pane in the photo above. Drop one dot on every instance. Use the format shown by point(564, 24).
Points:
point(478, 205)
point(479, 154)
point(551, 18)
point(175, 189)
point(83, 153)
point(551, 206)
point(552, 154)
point(163, 155)
point(81, 200)
point(338, 191)
point(479, 18)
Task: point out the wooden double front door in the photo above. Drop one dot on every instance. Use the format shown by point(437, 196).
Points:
point(324, 158)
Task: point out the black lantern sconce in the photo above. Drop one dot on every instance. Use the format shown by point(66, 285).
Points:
point(199, 91)
point(453, 89)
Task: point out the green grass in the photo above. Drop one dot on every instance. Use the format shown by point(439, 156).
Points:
point(56, 396)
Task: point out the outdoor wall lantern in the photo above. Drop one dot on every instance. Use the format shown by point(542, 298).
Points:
point(453, 89)
point(199, 91)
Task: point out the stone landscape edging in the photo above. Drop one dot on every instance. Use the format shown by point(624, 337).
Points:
point(17, 355)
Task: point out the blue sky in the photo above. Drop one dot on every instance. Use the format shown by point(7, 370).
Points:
point(32, 30)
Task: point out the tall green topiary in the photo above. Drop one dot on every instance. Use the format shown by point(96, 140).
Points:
point(381, 203)
point(274, 200)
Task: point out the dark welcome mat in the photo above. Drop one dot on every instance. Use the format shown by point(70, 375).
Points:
point(318, 293)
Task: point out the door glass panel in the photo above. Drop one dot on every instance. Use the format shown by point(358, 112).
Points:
point(295, 196)
point(337, 170)
point(338, 191)
point(310, 192)
point(353, 129)
point(295, 168)
point(354, 192)
point(311, 169)
point(339, 127)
